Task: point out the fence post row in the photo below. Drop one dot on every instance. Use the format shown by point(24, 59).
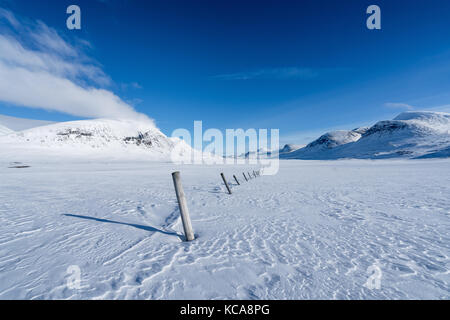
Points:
point(182, 203)
point(184, 212)
point(226, 183)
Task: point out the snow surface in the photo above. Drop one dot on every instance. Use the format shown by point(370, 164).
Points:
point(309, 232)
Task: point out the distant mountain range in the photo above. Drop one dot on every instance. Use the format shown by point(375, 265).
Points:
point(100, 138)
point(409, 135)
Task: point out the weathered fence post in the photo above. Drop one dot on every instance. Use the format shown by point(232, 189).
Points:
point(249, 175)
point(254, 174)
point(187, 226)
point(245, 177)
point(226, 183)
point(236, 180)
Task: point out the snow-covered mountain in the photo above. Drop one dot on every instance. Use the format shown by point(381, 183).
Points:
point(266, 153)
point(329, 140)
point(260, 153)
point(100, 137)
point(94, 134)
point(288, 148)
point(410, 134)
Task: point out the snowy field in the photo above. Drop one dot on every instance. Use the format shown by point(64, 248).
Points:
point(310, 232)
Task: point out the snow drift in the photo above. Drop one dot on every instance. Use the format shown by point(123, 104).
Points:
point(309, 232)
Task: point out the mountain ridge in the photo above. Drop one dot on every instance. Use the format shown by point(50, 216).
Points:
point(104, 138)
point(412, 134)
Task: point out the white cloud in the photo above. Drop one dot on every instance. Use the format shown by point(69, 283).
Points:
point(40, 89)
point(48, 39)
point(399, 105)
point(133, 85)
point(9, 17)
point(39, 69)
point(441, 108)
point(13, 53)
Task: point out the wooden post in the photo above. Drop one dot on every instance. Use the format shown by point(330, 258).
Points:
point(249, 175)
point(236, 180)
point(254, 174)
point(245, 177)
point(187, 226)
point(226, 183)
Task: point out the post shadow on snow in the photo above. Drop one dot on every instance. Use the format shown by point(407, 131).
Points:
point(138, 226)
point(221, 190)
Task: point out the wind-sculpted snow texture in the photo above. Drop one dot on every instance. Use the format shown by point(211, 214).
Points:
point(309, 232)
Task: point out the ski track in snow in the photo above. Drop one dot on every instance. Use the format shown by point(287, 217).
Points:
point(309, 232)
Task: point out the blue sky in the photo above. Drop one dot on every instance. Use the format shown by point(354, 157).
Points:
point(303, 67)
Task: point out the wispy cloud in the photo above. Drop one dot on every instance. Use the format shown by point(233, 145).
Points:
point(271, 73)
point(40, 69)
point(441, 108)
point(399, 105)
point(132, 85)
point(9, 17)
